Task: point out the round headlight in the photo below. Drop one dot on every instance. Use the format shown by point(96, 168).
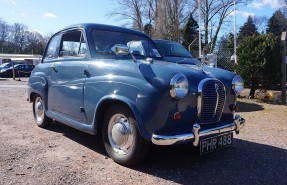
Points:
point(178, 86)
point(237, 84)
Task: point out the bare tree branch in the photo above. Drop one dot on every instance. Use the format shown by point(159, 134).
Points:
point(216, 12)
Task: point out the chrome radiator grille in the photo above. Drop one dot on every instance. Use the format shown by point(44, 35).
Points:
point(211, 101)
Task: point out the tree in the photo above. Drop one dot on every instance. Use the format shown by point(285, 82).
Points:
point(248, 29)
point(159, 18)
point(277, 23)
point(4, 33)
point(260, 23)
point(18, 37)
point(214, 14)
point(259, 62)
point(134, 11)
point(148, 29)
point(170, 18)
point(34, 42)
point(190, 31)
point(226, 41)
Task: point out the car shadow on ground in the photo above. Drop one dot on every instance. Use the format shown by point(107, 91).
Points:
point(93, 142)
point(244, 162)
point(248, 107)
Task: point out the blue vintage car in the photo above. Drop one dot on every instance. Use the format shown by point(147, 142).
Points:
point(111, 80)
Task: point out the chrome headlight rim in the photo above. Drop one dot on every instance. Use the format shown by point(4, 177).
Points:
point(237, 85)
point(178, 86)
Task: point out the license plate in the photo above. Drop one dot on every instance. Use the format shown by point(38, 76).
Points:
point(213, 143)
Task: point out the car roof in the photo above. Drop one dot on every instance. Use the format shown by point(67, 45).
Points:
point(88, 26)
point(164, 41)
point(4, 64)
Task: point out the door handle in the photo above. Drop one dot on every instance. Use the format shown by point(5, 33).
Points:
point(86, 73)
point(54, 68)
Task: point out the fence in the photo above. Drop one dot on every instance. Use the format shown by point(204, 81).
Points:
point(224, 58)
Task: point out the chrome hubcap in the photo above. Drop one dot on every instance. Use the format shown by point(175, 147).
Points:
point(39, 109)
point(120, 134)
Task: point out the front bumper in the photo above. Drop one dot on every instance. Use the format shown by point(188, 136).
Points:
point(238, 123)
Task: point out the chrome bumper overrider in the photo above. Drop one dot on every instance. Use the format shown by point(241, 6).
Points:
point(196, 134)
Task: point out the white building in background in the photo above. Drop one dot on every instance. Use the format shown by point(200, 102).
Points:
point(18, 58)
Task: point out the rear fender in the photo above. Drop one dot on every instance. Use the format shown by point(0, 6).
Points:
point(38, 84)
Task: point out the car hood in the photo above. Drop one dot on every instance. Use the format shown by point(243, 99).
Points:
point(186, 69)
point(218, 73)
point(221, 74)
point(196, 73)
point(182, 60)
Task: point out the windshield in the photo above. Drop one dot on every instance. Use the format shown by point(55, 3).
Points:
point(6, 65)
point(140, 46)
point(172, 49)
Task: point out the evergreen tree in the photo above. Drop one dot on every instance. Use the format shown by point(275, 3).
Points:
point(248, 29)
point(259, 62)
point(148, 29)
point(226, 41)
point(277, 23)
point(190, 31)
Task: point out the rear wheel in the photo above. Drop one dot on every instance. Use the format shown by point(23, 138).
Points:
point(121, 136)
point(39, 112)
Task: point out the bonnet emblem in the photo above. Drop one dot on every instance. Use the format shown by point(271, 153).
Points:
point(216, 87)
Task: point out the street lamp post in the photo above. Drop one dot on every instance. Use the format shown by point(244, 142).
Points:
point(235, 56)
point(199, 30)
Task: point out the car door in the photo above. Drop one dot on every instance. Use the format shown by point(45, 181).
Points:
point(67, 79)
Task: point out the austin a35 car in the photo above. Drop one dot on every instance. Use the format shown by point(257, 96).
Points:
point(113, 81)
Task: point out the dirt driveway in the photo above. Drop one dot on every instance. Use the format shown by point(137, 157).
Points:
point(62, 155)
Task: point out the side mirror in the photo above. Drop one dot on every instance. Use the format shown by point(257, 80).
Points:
point(120, 49)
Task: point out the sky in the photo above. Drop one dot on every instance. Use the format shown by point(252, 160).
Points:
point(48, 16)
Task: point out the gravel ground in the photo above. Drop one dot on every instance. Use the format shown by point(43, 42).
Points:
point(62, 155)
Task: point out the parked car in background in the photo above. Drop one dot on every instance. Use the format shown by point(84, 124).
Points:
point(20, 70)
point(175, 52)
point(114, 81)
point(5, 65)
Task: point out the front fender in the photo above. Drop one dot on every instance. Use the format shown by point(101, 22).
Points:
point(124, 100)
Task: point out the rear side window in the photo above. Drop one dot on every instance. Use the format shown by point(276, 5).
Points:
point(73, 44)
point(52, 47)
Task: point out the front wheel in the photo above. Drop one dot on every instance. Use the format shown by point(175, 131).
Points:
point(39, 112)
point(121, 136)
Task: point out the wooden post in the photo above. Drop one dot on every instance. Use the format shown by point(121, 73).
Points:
point(13, 71)
point(283, 67)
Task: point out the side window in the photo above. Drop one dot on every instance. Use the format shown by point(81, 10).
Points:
point(73, 45)
point(52, 47)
